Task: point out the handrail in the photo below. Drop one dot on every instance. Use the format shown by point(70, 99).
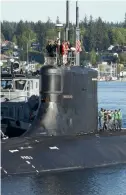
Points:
point(58, 59)
point(17, 98)
point(54, 60)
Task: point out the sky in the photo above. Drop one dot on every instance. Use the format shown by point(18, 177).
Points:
point(16, 10)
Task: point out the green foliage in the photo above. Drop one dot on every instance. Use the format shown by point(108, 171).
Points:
point(38, 66)
point(101, 67)
point(9, 52)
point(119, 36)
point(26, 38)
point(122, 58)
point(2, 37)
point(14, 39)
point(51, 34)
point(4, 64)
point(21, 27)
point(93, 57)
point(95, 35)
point(120, 68)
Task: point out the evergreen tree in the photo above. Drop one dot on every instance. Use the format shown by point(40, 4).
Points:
point(93, 57)
point(14, 39)
point(95, 34)
point(2, 37)
point(85, 21)
point(21, 27)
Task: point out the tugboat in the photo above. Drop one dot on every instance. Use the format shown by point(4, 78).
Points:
point(19, 94)
point(63, 134)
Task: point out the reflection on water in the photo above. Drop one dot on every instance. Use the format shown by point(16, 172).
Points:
point(100, 181)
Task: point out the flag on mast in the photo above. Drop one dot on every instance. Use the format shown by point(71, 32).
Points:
point(78, 46)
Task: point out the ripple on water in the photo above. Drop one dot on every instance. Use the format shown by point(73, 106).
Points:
point(98, 181)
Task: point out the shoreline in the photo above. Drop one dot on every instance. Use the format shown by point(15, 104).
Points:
point(112, 80)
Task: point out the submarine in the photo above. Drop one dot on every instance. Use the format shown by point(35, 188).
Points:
point(64, 136)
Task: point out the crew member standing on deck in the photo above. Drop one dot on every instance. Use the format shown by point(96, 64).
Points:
point(105, 120)
point(116, 119)
point(109, 122)
point(119, 119)
point(112, 120)
point(100, 118)
point(63, 52)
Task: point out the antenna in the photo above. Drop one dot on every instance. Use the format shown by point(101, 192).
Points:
point(77, 34)
point(67, 20)
point(77, 15)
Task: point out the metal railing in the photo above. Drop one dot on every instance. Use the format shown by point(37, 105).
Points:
point(16, 95)
point(59, 60)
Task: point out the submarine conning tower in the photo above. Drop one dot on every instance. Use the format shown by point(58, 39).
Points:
point(68, 96)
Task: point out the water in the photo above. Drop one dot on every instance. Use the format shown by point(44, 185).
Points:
point(99, 181)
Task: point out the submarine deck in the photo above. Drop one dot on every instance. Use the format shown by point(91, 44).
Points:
point(55, 154)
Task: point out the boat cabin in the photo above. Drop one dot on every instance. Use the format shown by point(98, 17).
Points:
point(18, 88)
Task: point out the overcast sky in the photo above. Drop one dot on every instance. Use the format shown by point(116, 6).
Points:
point(40, 10)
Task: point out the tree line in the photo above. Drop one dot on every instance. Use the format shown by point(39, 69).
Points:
point(96, 35)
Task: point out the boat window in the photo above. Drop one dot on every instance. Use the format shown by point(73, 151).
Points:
point(19, 84)
point(6, 84)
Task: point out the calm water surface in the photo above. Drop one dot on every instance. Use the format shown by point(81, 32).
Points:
point(100, 181)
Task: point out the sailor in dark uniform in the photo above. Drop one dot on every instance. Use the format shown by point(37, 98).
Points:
point(105, 120)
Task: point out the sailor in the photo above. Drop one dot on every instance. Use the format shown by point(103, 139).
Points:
point(109, 122)
point(119, 119)
point(64, 51)
point(112, 120)
point(116, 119)
point(105, 121)
point(100, 118)
point(50, 53)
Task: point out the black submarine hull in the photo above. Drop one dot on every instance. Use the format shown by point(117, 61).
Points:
point(63, 135)
point(38, 155)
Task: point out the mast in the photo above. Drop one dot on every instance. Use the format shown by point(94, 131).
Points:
point(67, 20)
point(77, 34)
